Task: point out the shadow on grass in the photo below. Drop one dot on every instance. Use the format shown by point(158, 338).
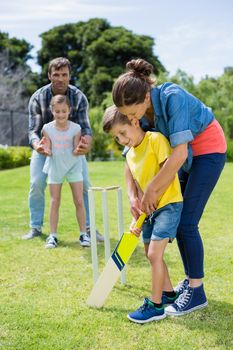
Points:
point(217, 318)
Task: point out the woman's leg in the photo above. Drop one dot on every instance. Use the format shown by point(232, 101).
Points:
point(201, 181)
point(77, 191)
point(55, 198)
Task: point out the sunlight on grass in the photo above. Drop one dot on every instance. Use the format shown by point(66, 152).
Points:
point(43, 292)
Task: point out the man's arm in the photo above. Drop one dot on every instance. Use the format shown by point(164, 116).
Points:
point(35, 122)
point(81, 117)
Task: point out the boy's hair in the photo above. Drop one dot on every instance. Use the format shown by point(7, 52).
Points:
point(58, 63)
point(59, 99)
point(112, 117)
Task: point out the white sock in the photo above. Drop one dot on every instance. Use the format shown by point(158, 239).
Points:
point(82, 233)
point(54, 234)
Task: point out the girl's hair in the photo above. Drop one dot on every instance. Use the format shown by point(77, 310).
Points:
point(60, 99)
point(112, 117)
point(132, 86)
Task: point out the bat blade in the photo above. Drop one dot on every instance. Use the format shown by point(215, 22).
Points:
point(113, 268)
point(104, 284)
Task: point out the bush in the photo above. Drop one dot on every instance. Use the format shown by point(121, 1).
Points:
point(229, 150)
point(13, 157)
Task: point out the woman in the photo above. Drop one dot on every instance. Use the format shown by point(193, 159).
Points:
point(199, 153)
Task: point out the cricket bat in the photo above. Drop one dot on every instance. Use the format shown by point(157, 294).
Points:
point(114, 266)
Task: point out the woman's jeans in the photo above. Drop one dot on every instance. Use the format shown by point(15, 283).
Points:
point(37, 190)
point(196, 186)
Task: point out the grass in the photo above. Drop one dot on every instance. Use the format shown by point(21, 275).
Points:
point(43, 292)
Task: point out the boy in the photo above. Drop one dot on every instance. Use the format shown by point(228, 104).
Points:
point(148, 151)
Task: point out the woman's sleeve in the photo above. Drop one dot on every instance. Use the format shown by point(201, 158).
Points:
point(177, 110)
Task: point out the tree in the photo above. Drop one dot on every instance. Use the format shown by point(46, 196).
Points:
point(98, 53)
point(17, 51)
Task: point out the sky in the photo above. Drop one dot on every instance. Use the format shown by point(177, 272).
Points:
point(195, 36)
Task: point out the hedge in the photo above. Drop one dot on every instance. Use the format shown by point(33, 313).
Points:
point(13, 157)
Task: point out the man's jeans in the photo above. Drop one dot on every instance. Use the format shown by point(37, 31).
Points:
point(37, 190)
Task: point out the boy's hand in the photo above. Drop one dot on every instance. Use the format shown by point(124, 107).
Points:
point(135, 207)
point(135, 230)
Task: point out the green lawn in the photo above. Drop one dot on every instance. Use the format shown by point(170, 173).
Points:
point(43, 292)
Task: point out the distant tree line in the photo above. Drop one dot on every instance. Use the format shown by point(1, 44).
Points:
point(98, 53)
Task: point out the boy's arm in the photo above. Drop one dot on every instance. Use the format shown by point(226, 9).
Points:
point(164, 178)
point(135, 204)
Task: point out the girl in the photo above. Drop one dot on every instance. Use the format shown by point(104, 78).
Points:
point(61, 137)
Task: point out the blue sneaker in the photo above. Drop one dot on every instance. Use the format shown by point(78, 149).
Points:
point(192, 299)
point(169, 300)
point(147, 313)
point(181, 286)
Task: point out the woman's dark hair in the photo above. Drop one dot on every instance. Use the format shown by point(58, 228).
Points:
point(132, 86)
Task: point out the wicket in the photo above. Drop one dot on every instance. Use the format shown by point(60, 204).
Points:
point(107, 247)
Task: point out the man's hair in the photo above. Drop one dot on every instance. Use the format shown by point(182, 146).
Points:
point(60, 99)
point(58, 63)
point(112, 117)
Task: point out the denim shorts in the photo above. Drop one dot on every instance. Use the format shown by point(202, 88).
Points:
point(162, 223)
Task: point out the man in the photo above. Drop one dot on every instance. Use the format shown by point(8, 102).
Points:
point(59, 73)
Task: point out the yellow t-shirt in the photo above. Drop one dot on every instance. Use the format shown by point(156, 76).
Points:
point(145, 160)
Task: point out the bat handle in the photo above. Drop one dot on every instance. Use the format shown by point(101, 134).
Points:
point(140, 220)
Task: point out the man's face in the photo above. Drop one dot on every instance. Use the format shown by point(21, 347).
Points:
point(60, 80)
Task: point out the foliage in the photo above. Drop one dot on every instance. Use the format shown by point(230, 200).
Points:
point(100, 140)
point(98, 53)
point(13, 157)
point(103, 145)
point(17, 50)
point(43, 292)
point(17, 82)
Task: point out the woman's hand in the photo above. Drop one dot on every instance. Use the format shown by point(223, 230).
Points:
point(149, 201)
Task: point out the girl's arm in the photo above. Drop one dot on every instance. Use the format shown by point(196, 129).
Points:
point(163, 179)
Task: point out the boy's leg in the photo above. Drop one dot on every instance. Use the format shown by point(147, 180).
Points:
point(77, 191)
point(55, 199)
point(155, 256)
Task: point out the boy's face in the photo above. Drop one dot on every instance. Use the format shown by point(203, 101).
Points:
point(127, 134)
